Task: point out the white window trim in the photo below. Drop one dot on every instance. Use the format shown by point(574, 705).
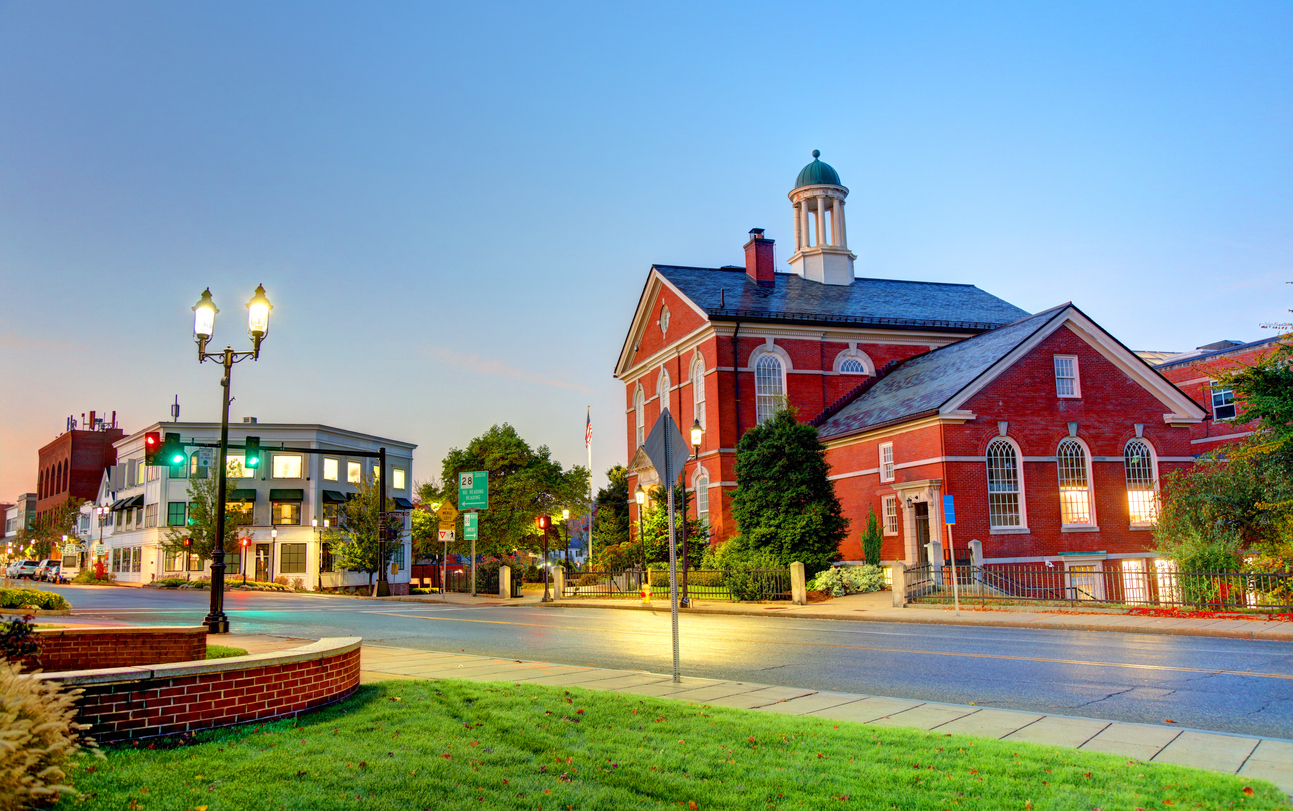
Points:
point(1212, 403)
point(300, 465)
point(323, 472)
point(1090, 486)
point(786, 367)
point(1153, 472)
point(893, 462)
point(1023, 502)
point(701, 473)
point(884, 516)
point(698, 389)
point(857, 354)
point(663, 390)
point(639, 415)
point(1077, 378)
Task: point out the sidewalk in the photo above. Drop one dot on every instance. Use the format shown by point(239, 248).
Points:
point(878, 607)
point(1262, 758)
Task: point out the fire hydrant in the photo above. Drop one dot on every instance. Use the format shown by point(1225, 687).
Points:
point(646, 592)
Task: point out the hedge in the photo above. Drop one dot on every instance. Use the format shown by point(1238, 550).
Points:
point(48, 600)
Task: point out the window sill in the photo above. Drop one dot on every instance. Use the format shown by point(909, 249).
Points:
point(1079, 528)
point(1142, 527)
point(1010, 531)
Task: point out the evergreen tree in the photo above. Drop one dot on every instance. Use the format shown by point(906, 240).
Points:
point(871, 538)
point(783, 503)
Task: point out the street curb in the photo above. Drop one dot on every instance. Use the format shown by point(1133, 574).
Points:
point(1050, 626)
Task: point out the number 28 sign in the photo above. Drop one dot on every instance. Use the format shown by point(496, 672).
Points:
point(473, 490)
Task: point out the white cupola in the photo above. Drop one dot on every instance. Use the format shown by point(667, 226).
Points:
point(821, 242)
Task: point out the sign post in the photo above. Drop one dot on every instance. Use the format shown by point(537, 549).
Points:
point(949, 518)
point(668, 451)
point(448, 516)
point(473, 494)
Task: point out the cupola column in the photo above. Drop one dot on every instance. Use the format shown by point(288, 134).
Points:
point(821, 221)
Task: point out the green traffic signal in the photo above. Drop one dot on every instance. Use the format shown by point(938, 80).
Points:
point(251, 458)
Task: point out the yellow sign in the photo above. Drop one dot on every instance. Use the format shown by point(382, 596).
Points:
point(448, 515)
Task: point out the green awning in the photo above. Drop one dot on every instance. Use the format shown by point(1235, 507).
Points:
point(334, 497)
point(287, 495)
point(241, 494)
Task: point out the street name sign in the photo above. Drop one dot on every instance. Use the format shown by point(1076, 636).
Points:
point(473, 490)
point(949, 510)
point(469, 526)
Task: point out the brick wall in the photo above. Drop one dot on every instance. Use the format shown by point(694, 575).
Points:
point(94, 648)
point(143, 703)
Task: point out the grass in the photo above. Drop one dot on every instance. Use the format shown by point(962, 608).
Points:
point(409, 745)
point(222, 652)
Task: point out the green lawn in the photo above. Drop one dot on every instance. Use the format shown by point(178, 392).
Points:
point(410, 745)
point(222, 652)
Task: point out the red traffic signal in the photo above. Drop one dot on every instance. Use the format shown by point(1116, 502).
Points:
point(245, 541)
point(153, 448)
point(188, 541)
point(542, 522)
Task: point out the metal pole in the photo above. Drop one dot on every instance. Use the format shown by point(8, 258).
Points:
point(383, 588)
point(673, 562)
point(951, 550)
point(682, 541)
point(592, 505)
point(546, 598)
point(216, 621)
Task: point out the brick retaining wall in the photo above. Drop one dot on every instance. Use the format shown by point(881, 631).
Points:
point(134, 702)
point(96, 648)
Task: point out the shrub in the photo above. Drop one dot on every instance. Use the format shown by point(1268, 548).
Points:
point(532, 574)
point(750, 574)
point(86, 577)
point(298, 584)
point(281, 580)
point(871, 539)
point(18, 640)
point(19, 598)
point(38, 737)
point(840, 580)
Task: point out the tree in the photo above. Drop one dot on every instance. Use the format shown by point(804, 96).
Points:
point(871, 538)
point(47, 534)
point(201, 524)
point(523, 484)
point(354, 541)
point(1237, 502)
point(426, 524)
point(783, 503)
point(611, 525)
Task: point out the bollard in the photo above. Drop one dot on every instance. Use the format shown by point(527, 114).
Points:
point(899, 586)
point(505, 581)
point(798, 585)
point(558, 583)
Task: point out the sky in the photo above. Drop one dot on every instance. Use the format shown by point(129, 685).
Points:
point(454, 206)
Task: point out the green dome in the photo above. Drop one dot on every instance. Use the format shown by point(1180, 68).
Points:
point(817, 174)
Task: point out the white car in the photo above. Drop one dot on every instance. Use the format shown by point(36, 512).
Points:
point(24, 568)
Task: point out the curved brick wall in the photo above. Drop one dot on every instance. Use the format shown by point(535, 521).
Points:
point(143, 702)
point(94, 648)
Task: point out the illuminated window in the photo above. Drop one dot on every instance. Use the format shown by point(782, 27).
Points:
point(886, 462)
point(354, 472)
point(1075, 487)
point(397, 478)
point(287, 466)
point(1003, 484)
point(890, 510)
point(235, 468)
point(1142, 483)
point(287, 512)
point(330, 469)
point(769, 386)
point(1066, 376)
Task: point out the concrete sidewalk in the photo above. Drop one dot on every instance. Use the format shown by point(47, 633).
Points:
point(1261, 758)
point(878, 607)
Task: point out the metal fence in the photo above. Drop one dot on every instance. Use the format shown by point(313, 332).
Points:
point(1126, 582)
point(459, 582)
point(701, 584)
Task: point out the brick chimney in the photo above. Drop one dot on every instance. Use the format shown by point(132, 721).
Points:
point(759, 258)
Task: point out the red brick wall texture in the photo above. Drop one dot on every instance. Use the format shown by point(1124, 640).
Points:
point(94, 648)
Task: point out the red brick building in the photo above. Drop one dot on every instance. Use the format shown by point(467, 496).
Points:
point(919, 389)
point(1196, 373)
point(73, 464)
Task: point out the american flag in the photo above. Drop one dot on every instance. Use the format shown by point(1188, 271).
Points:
point(588, 429)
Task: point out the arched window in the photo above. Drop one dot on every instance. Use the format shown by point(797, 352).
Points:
point(662, 390)
point(639, 415)
point(852, 366)
point(698, 388)
point(1142, 482)
point(769, 386)
point(702, 495)
point(1075, 483)
point(1003, 485)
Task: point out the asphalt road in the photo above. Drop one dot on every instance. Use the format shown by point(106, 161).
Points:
point(1225, 685)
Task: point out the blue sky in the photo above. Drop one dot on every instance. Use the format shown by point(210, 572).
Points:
point(453, 206)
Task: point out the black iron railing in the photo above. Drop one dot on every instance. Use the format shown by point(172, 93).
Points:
point(704, 584)
point(1134, 582)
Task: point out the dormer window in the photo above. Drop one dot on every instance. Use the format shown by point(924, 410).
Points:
point(1066, 376)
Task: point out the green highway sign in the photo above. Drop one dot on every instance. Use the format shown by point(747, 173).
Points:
point(469, 526)
point(473, 490)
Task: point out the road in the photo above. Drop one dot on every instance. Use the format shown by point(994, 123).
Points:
point(1224, 685)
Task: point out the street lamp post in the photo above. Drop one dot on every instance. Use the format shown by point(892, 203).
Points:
point(543, 522)
point(640, 496)
point(565, 521)
point(102, 512)
point(204, 313)
point(697, 433)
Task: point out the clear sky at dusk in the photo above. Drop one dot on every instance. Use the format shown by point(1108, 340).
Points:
point(453, 207)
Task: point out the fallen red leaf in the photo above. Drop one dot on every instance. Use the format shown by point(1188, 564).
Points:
point(1248, 791)
point(1168, 721)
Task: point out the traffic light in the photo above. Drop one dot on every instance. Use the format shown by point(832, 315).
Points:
point(245, 542)
point(251, 459)
point(172, 452)
point(188, 542)
point(153, 448)
point(543, 522)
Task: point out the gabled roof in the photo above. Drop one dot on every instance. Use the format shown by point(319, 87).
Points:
point(728, 294)
point(1215, 350)
point(939, 381)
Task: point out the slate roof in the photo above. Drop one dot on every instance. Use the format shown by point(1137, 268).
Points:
point(921, 385)
point(728, 294)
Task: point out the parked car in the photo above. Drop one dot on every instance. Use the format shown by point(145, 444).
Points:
point(25, 568)
point(48, 570)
